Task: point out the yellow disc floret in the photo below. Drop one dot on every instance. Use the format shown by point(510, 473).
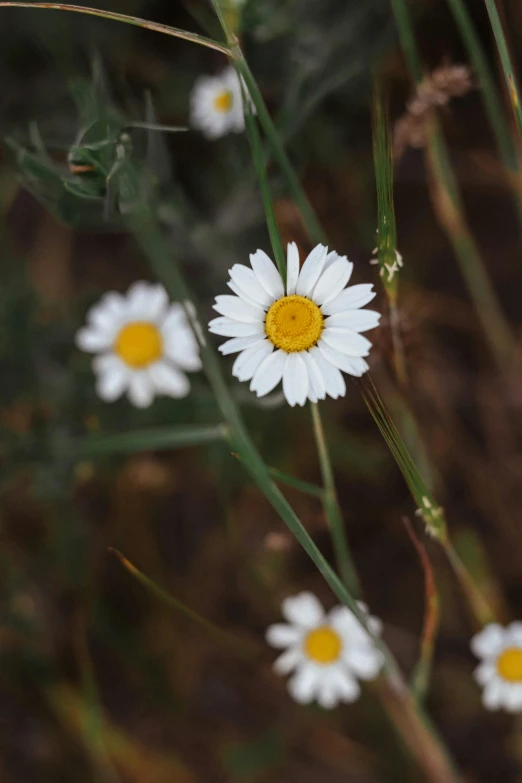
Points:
point(509, 664)
point(139, 344)
point(223, 102)
point(294, 323)
point(323, 645)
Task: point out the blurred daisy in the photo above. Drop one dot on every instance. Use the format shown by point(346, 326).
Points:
point(143, 343)
point(303, 336)
point(326, 652)
point(500, 670)
point(217, 104)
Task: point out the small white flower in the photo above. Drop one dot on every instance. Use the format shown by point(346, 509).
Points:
point(328, 653)
point(216, 105)
point(314, 326)
point(143, 344)
point(500, 670)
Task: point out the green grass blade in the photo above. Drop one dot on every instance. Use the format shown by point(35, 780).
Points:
point(259, 163)
point(153, 439)
point(505, 59)
point(133, 20)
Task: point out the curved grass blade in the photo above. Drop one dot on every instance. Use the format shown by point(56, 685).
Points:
point(150, 439)
point(133, 20)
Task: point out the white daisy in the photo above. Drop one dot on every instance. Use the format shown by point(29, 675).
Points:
point(326, 652)
point(305, 335)
point(500, 670)
point(216, 104)
point(143, 344)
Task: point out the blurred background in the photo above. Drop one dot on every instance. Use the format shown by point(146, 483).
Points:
point(99, 680)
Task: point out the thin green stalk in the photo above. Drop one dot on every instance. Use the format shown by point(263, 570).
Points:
point(225, 638)
point(296, 483)
point(492, 102)
point(448, 204)
point(505, 59)
point(421, 675)
point(277, 148)
point(152, 439)
point(407, 39)
point(133, 20)
point(332, 509)
point(260, 167)
point(449, 208)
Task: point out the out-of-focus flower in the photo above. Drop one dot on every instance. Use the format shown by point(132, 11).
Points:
point(216, 105)
point(435, 90)
point(500, 669)
point(328, 652)
point(304, 337)
point(143, 345)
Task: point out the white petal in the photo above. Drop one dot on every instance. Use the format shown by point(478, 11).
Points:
point(182, 349)
point(356, 320)
point(292, 270)
point(346, 687)
point(267, 274)
point(175, 318)
point(269, 373)
point(330, 258)
point(138, 297)
point(315, 377)
point(365, 661)
point(514, 633)
point(347, 625)
point(488, 642)
point(246, 281)
point(249, 360)
point(333, 380)
point(295, 379)
point(168, 380)
point(282, 635)
point(332, 281)
point(493, 695)
point(113, 377)
point(485, 672)
point(513, 697)
point(92, 339)
point(345, 341)
point(141, 389)
point(238, 292)
point(350, 364)
point(237, 344)
point(304, 684)
point(327, 695)
point(304, 610)
point(226, 327)
point(350, 299)
point(310, 271)
point(289, 660)
point(237, 309)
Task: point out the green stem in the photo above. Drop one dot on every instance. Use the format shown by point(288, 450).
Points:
point(259, 163)
point(153, 439)
point(296, 483)
point(492, 103)
point(505, 59)
point(332, 509)
point(133, 20)
point(224, 637)
point(407, 39)
point(300, 198)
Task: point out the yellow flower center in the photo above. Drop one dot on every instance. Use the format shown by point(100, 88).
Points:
point(223, 101)
point(139, 344)
point(294, 323)
point(509, 664)
point(323, 645)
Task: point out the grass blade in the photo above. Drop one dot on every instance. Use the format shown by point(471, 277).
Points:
point(133, 20)
point(153, 439)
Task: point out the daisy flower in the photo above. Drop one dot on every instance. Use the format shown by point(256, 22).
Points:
point(304, 335)
point(143, 345)
point(500, 669)
point(326, 652)
point(216, 104)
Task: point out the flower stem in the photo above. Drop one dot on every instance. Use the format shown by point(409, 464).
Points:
point(332, 510)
